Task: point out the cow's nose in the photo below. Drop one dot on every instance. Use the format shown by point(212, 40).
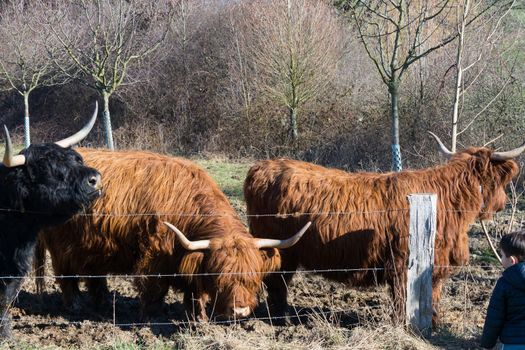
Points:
point(241, 311)
point(95, 181)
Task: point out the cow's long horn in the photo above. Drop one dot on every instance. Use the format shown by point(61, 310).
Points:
point(9, 159)
point(79, 136)
point(282, 244)
point(442, 147)
point(509, 154)
point(186, 243)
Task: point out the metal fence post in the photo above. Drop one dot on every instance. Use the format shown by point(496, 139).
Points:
point(423, 217)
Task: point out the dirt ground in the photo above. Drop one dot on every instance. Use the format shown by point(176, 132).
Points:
point(41, 322)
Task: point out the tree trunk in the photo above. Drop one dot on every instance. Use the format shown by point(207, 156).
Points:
point(459, 76)
point(107, 122)
point(394, 112)
point(27, 136)
point(294, 133)
point(455, 109)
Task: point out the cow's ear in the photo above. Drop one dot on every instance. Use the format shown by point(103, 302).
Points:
point(271, 259)
point(191, 264)
point(506, 171)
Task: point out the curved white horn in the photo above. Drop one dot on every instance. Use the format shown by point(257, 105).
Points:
point(79, 136)
point(442, 147)
point(11, 161)
point(509, 154)
point(186, 243)
point(282, 244)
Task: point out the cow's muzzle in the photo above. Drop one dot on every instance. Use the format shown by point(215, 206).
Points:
point(94, 182)
point(241, 311)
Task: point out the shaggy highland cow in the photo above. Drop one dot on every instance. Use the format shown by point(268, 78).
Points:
point(44, 185)
point(126, 233)
point(361, 220)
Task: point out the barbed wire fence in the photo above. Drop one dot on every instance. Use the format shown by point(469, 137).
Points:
point(465, 274)
point(370, 308)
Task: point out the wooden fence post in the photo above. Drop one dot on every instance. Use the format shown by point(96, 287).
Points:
point(423, 217)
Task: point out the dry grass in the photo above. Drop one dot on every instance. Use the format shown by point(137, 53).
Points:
point(318, 333)
point(325, 337)
point(331, 316)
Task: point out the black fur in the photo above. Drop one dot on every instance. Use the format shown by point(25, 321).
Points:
point(53, 185)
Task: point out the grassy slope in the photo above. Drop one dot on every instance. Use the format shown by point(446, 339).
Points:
point(228, 175)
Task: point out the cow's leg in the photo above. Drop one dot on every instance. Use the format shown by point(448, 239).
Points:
point(277, 288)
point(152, 291)
point(98, 292)
point(398, 290)
point(8, 294)
point(397, 282)
point(5, 317)
point(437, 287)
point(195, 305)
point(5, 320)
point(71, 297)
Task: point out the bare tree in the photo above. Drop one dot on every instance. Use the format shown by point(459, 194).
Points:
point(396, 34)
point(486, 44)
point(490, 35)
point(105, 38)
point(240, 75)
point(24, 59)
point(182, 26)
point(291, 49)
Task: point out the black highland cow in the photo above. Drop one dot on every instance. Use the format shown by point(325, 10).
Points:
point(43, 186)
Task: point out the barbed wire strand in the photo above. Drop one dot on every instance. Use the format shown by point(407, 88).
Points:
point(212, 322)
point(224, 214)
point(203, 274)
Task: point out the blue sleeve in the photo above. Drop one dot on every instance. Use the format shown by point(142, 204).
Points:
point(495, 316)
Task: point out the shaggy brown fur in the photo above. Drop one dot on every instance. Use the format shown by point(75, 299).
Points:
point(114, 240)
point(364, 217)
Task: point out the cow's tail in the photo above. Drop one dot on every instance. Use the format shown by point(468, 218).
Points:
point(39, 265)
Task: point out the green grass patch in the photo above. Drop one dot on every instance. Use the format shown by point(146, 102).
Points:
point(122, 345)
point(16, 147)
point(228, 175)
point(484, 255)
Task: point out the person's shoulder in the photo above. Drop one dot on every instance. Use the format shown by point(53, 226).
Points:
point(515, 275)
point(502, 284)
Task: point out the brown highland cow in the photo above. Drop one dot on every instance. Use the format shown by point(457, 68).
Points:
point(361, 220)
point(127, 234)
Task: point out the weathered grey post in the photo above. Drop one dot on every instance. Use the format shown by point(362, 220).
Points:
point(423, 217)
